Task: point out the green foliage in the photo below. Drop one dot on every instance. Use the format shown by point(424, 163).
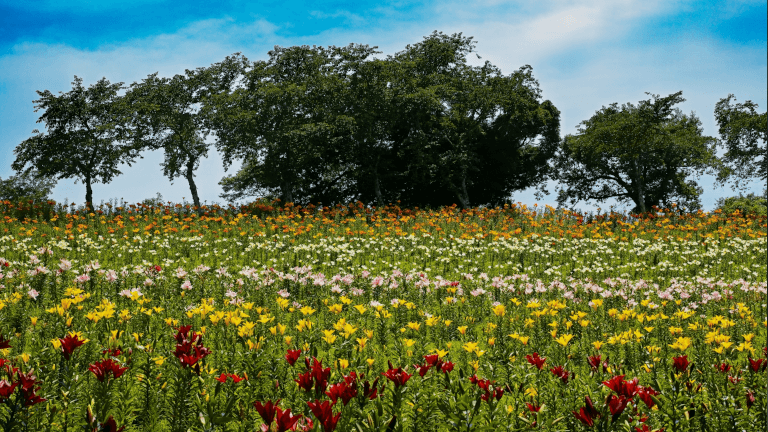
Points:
point(421, 127)
point(26, 186)
point(750, 204)
point(744, 133)
point(643, 155)
point(85, 127)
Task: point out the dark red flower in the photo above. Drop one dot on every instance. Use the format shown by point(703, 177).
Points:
point(305, 381)
point(110, 426)
point(112, 352)
point(158, 268)
point(589, 407)
point(680, 363)
point(7, 388)
point(104, 368)
point(645, 393)
point(323, 411)
point(560, 372)
point(422, 369)
point(432, 360)
point(617, 404)
point(69, 343)
point(446, 367)
point(756, 365)
point(182, 333)
point(32, 399)
point(370, 391)
point(336, 390)
point(628, 389)
point(285, 421)
point(397, 376)
point(594, 361)
point(533, 408)
point(723, 367)
point(189, 347)
point(267, 411)
point(750, 399)
point(320, 375)
point(292, 356)
point(536, 360)
point(583, 417)
point(4, 343)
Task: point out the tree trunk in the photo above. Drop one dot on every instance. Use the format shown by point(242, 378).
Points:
point(88, 194)
point(377, 187)
point(640, 199)
point(287, 194)
point(190, 175)
point(463, 195)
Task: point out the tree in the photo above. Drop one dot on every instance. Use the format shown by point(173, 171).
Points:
point(637, 154)
point(85, 136)
point(743, 131)
point(27, 185)
point(468, 134)
point(286, 123)
point(167, 115)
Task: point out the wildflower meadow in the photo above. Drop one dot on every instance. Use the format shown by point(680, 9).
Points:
point(278, 317)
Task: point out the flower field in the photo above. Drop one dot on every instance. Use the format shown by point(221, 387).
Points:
point(141, 318)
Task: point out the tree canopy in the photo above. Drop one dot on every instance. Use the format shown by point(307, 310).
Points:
point(743, 131)
point(27, 185)
point(641, 154)
point(422, 127)
point(85, 136)
point(167, 114)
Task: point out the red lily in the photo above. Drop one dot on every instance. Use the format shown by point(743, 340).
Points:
point(320, 375)
point(560, 372)
point(69, 343)
point(723, 367)
point(594, 361)
point(397, 376)
point(645, 394)
point(292, 356)
point(4, 343)
point(756, 365)
point(324, 413)
point(305, 381)
point(110, 426)
point(370, 391)
point(536, 360)
point(680, 363)
point(446, 367)
point(628, 389)
point(267, 411)
point(584, 417)
point(750, 399)
point(106, 367)
point(7, 388)
point(285, 421)
point(533, 408)
point(617, 404)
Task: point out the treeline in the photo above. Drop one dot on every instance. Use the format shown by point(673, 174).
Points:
point(421, 127)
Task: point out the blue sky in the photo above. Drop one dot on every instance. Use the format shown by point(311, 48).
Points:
point(585, 54)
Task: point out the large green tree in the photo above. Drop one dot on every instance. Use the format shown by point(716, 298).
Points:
point(743, 131)
point(468, 134)
point(643, 155)
point(85, 136)
point(166, 114)
point(288, 126)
